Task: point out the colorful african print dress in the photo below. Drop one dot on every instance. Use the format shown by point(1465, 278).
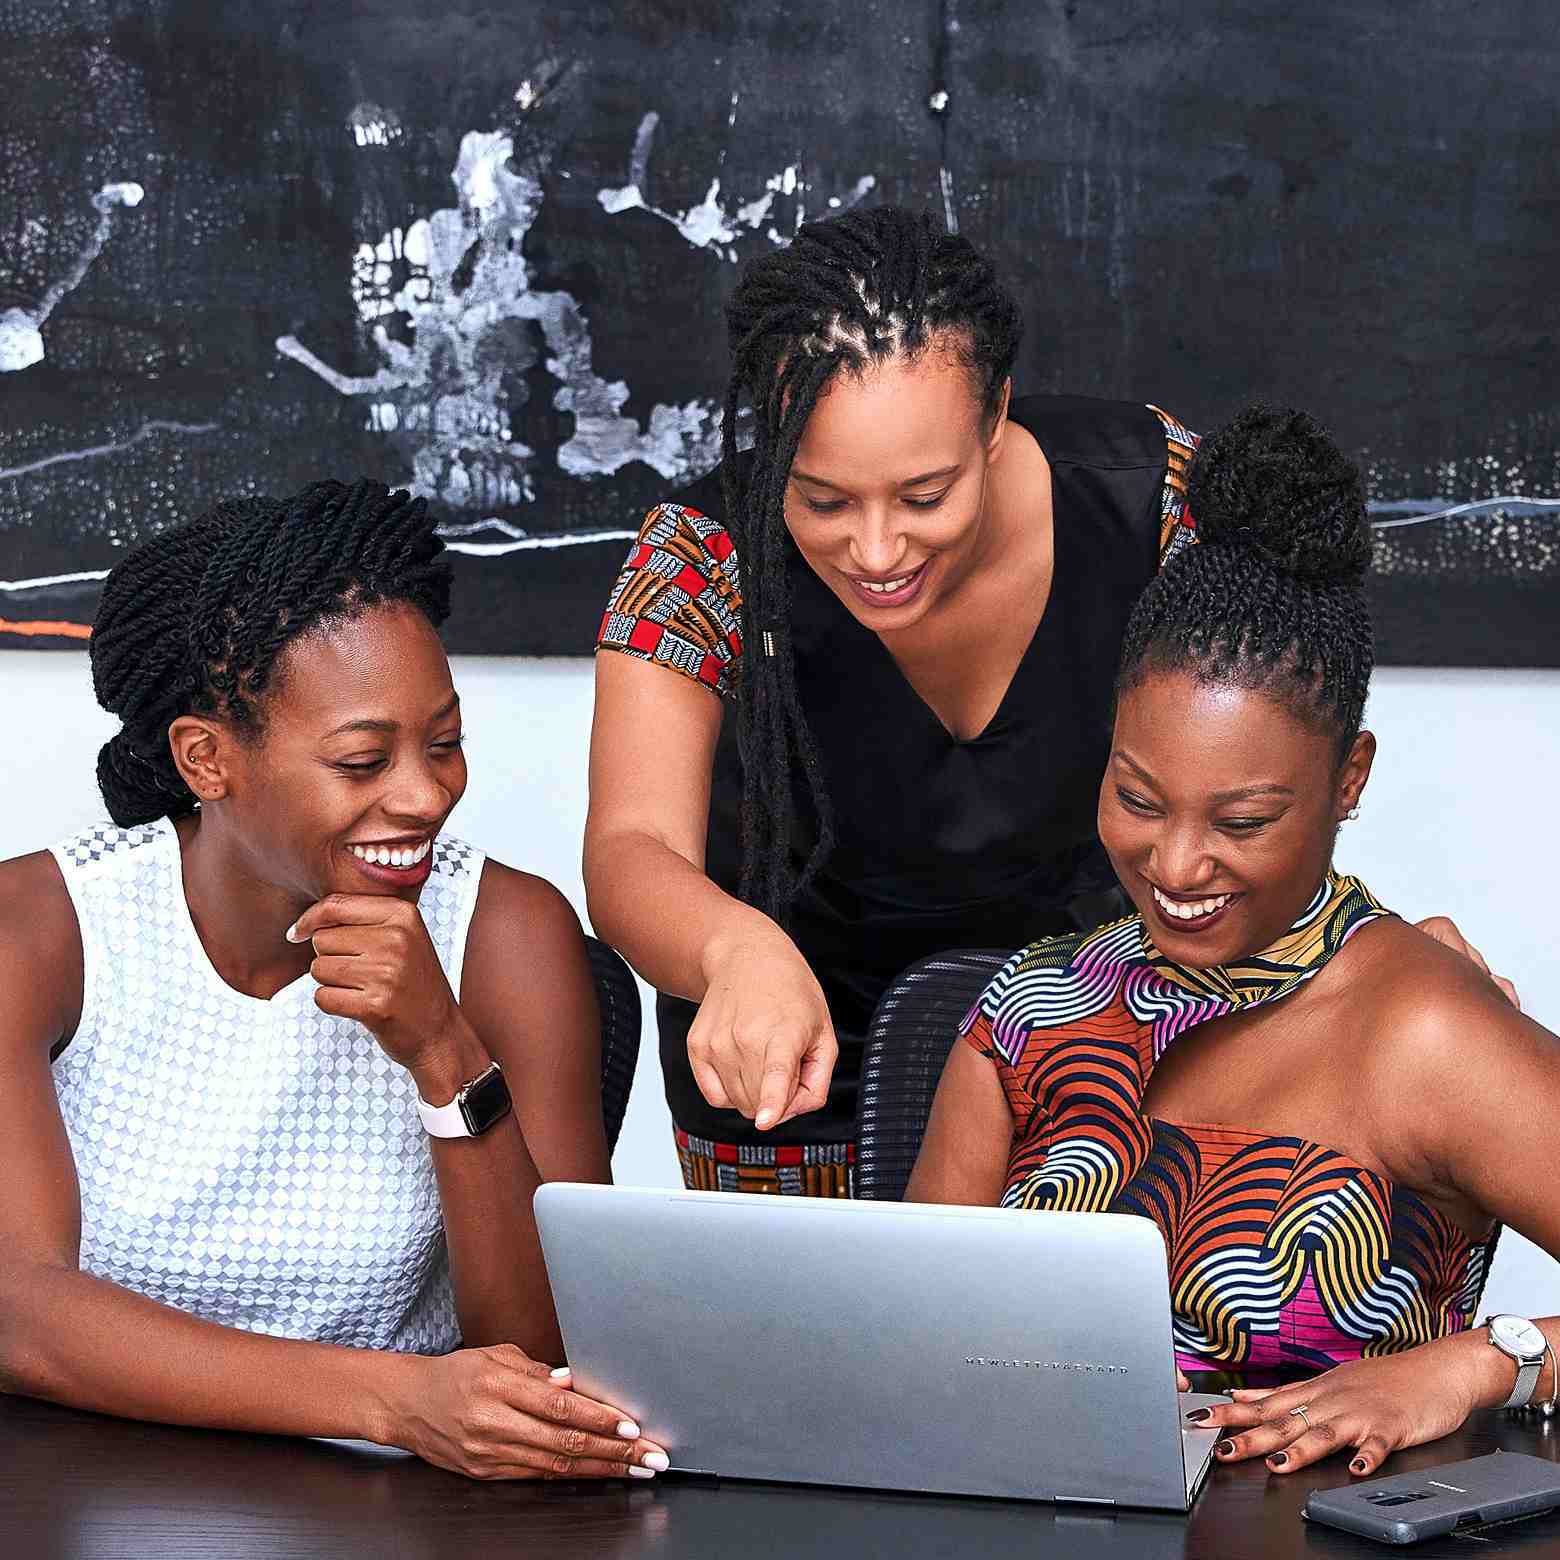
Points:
point(1284, 1254)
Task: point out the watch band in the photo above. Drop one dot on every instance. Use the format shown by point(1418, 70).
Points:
point(455, 1120)
point(1527, 1383)
point(1529, 1366)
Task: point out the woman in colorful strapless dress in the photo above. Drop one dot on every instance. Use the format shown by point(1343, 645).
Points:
point(1328, 1114)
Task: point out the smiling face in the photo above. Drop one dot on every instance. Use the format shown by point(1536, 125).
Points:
point(888, 492)
point(358, 765)
point(1218, 810)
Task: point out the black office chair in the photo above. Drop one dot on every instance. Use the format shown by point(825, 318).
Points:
point(618, 998)
point(908, 1041)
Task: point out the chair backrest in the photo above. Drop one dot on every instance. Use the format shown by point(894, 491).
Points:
point(618, 998)
point(908, 1041)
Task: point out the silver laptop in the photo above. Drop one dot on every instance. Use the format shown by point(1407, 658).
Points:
point(969, 1351)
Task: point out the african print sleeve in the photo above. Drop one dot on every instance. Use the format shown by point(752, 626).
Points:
point(1177, 528)
point(678, 601)
point(990, 1027)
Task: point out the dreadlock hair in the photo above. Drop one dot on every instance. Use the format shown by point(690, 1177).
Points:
point(848, 292)
point(193, 621)
point(1273, 596)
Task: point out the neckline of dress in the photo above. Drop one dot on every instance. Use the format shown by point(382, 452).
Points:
point(174, 861)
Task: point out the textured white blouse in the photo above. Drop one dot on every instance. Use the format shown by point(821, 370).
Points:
point(257, 1163)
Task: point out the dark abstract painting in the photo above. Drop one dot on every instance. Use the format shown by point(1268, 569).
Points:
point(481, 251)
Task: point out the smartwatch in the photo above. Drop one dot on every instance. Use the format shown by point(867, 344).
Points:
point(476, 1106)
point(1525, 1343)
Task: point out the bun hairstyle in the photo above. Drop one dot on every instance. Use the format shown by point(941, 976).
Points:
point(846, 293)
point(193, 621)
point(1273, 596)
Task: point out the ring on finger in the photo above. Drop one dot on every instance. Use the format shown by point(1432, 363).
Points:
point(1300, 1409)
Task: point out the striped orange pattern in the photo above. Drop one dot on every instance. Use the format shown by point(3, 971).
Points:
point(1283, 1253)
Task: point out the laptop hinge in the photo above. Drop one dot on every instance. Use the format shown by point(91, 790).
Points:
point(1082, 1500)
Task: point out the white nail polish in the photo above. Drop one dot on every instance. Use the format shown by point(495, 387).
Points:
point(657, 1460)
point(290, 933)
point(640, 1473)
point(628, 1429)
point(561, 1372)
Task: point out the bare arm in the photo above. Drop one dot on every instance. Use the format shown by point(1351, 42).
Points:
point(652, 750)
point(76, 1339)
point(763, 1042)
point(1473, 1090)
point(964, 1155)
point(527, 996)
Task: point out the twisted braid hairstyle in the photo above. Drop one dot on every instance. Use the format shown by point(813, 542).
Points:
point(847, 293)
point(1273, 597)
point(193, 621)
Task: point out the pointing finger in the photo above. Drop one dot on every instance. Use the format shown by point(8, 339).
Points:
point(776, 1084)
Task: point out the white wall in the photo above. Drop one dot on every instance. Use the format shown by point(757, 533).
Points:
point(1458, 819)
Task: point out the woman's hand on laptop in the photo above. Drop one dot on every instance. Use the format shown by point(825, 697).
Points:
point(496, 1413)
point(1369, 1407)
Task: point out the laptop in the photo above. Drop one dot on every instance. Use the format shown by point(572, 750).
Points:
point(902, 1346)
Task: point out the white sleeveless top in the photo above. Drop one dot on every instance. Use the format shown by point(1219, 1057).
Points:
point(259, 1164)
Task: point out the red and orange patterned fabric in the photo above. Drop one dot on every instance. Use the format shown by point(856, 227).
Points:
point(789, 1170)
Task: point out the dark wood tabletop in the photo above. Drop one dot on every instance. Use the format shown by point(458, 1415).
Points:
point(76, 1485)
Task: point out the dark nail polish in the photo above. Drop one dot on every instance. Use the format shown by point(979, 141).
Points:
point(1279, 1458)
point(1224, 1448)
point(1197, 1415)
point(1358, 1465)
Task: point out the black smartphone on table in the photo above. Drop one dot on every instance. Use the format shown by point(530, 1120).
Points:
point(1407, 1507)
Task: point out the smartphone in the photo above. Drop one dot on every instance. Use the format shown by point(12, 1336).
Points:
point(1408, 1507)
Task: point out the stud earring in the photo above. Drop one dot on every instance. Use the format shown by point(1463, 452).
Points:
point(1353, 813)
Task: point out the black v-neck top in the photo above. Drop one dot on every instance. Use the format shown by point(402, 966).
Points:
point(945, 843)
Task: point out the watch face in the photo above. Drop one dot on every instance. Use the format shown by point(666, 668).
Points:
point(485, 1101)
point(1516, 1335)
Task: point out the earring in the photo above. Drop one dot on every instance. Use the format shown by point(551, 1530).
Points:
point(1352, 814)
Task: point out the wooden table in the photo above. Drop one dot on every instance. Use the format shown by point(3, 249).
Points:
point(76, 1485)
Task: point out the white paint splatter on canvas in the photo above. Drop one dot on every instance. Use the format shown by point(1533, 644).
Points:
point(21, 330)
point(461, 281)
point(712, 224)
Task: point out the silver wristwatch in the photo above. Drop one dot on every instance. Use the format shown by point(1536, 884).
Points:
point(1525, 1343)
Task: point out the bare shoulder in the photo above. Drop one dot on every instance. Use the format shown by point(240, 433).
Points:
point(523, 930)
point(1431, 1012)
point(40, 949)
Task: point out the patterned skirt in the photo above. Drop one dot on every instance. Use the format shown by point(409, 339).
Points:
point(791, 1170)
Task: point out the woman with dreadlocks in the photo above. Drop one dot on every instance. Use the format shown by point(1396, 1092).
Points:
point(1328, 1114)
point(913, 589)
point(259, 1035)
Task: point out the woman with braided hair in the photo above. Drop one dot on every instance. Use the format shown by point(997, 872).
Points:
point(1328, 1114)
point(910, 592)
point(258, 1036)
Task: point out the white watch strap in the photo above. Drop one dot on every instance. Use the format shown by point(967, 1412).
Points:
point(443, 1121)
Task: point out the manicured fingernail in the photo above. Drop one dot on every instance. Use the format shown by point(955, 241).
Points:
point(1279, 1458)
point(291, 934)
point(765, 1118)
point(657, 1460)
point(1197, 1415)
point(628, 1429)
point(1224, 1448)
point(1358, 1465)
point(640, 1473)
point(561, 1372)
